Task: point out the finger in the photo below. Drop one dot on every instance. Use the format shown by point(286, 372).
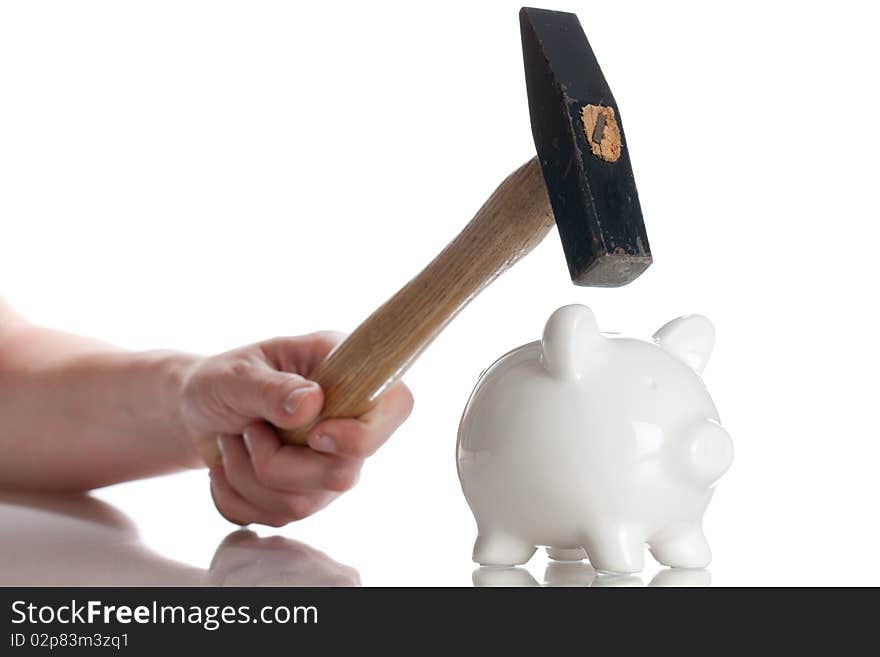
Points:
point(361, 438)
point(320, 500)
point(293, 468)
point(302, 353)
point(286, 400)
point(239, 511)
point(230, 504)
point(240, 474)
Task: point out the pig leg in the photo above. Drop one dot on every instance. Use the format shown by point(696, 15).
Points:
point(566, 554)
point(616, 549)
point(686, 547)
point(498, 549)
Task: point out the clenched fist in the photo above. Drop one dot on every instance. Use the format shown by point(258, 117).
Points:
point(235, 400)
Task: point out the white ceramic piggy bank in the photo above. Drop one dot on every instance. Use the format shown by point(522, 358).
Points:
point(587, 442)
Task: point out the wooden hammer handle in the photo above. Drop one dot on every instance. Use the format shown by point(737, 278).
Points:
point(509, 225)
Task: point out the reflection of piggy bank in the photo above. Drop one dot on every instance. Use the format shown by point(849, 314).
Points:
point(589, 442)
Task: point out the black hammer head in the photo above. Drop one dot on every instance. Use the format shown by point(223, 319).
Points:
point(582, 150)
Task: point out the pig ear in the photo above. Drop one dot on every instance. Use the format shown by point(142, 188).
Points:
point(570, 335)
point(689, 338)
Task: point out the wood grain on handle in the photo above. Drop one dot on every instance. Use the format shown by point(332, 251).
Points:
point(509, 225)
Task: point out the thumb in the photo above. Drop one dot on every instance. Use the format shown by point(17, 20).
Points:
point(289, 401)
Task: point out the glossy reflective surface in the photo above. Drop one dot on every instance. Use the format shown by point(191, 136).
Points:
point(579, 574)
point(56, 540)
point(82, 541)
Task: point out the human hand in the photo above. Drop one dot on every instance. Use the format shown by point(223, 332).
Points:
point(245, 559)
point(233, 400)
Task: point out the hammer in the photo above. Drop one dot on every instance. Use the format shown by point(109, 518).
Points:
point(581, 176)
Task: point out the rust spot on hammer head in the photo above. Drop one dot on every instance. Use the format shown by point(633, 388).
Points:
point(602, 132)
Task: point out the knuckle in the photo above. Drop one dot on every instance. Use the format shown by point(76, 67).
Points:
point(239, 368)
point(277, 341)
point(298, 508)
point(276, 522)
point(354, 449)
point(341, 479)
point(328, 337)
point(235, 521)
point(357, 442)
point(363, 448)
point(227, 514)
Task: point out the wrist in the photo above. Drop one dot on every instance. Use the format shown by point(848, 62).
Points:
point(176, 368)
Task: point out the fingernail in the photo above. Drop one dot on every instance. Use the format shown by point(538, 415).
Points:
point(321, 443)
point(247, 440)
point(294, 398)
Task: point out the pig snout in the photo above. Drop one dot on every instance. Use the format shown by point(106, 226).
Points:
point(708, 451)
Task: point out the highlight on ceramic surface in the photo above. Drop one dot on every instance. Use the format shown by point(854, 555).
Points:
point(594, 445)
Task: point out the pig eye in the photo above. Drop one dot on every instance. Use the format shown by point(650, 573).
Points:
point(652, 383)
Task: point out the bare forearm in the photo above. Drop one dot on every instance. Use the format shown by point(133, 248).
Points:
point(77, 414)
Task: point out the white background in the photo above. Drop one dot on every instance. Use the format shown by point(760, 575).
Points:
point(199, 175)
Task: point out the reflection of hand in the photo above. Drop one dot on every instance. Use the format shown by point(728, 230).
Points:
point(244, 559)
point(234, 397)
